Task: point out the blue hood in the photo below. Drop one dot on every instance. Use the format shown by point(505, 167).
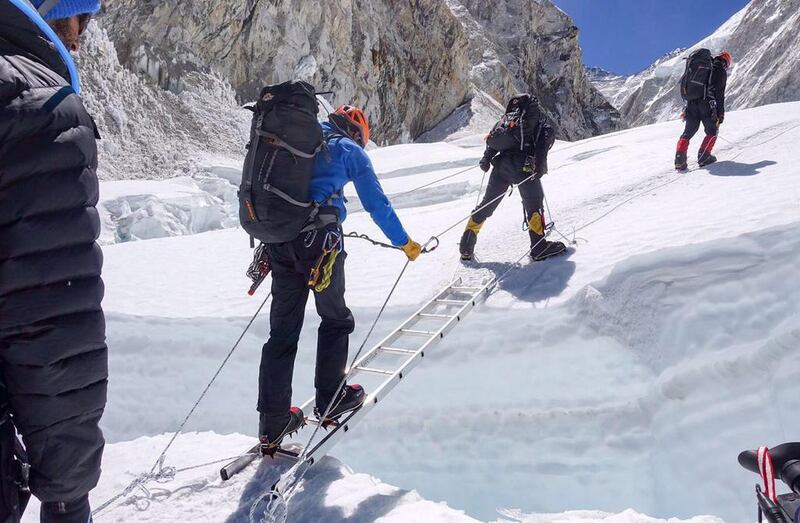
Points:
point(26, 24)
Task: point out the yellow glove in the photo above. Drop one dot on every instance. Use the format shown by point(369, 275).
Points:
point(412, 249)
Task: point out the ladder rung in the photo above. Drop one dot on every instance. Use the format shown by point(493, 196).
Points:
point(438, 316)
point(395, 350)
point(414, 332)
point(471, 290)
point(374, 371)
point(454, 302)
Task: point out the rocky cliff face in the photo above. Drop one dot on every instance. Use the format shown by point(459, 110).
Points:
point(405, 62)
point(152, 133)
point(532, 46)
point(763, 40)
point(409, 63)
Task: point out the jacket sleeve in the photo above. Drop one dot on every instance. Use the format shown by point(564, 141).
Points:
point(373, 199)
point(720, 82)
point(489, 153)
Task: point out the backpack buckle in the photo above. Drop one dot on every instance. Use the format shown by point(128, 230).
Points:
point(23, 476)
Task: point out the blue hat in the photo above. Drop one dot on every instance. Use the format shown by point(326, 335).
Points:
point(69, 8)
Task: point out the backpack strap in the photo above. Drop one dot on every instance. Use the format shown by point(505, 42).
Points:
point(276, 140)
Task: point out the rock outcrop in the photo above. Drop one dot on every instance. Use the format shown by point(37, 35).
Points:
point(532, 46)
point(410, 64)
point(405, 62)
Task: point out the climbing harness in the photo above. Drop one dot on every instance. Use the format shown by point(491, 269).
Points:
point(322, 271)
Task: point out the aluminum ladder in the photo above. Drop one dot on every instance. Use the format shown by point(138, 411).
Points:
point(385, 365)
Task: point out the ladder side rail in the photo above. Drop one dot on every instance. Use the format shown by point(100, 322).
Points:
point(369, 355)
point(392, 381)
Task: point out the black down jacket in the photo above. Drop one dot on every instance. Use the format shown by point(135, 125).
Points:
point(53, 355)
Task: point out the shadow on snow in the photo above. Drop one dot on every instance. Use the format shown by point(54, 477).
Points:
point(308, 503)
point(730, 168)
point(534, 281)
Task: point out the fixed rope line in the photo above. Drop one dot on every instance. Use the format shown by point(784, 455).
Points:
point(429, 247)
point(364, 237)
point(480, 189)
point(487, 204)
point(434, 182)
point(167, 473)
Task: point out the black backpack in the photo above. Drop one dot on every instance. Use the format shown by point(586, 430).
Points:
point(285, 136)
point(519, 126)
point(697, 76)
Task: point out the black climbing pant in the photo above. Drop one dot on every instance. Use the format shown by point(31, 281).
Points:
point(500, 181)
point(291, 265)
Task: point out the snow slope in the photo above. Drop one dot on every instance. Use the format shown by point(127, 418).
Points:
point(626, 375)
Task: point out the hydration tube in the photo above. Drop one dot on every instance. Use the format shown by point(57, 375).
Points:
point(33, 15)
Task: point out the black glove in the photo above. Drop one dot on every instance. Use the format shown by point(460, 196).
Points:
point(720, 119)
point(712, 105)
point(485, 164)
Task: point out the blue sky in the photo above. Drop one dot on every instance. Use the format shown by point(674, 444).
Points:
point(626, 36)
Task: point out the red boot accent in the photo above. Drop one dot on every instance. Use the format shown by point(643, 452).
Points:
point(683, 145)
point(708, 144)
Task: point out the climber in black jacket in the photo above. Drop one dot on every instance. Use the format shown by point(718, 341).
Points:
point(53, 355)
point(517, 147)
point(710, 110)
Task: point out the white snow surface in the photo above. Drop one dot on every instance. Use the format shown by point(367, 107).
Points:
point(625, 376)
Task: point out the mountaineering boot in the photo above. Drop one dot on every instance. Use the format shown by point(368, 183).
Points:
point(680, 161)
point(542, 249)
point(708, 159)
point(272, 429)
point(680, 154)
point(349, 399)
point(704, 156)
point(469, 239)
point(467, 245)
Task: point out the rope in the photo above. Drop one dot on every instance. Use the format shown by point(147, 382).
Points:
point(168, 473)
point(415, 189)
point(364, 237)
point(480, 189)
point(487, 204)
point(429, 247)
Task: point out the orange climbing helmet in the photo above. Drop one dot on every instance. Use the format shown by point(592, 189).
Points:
point(728, 57)
point(352, 121)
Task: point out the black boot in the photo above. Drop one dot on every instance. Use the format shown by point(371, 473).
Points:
point(67, 512)
point(706, 159)
point(467, 245)
point(272, 429)
point(542, 249)
point(680, 161)
point(350, 398)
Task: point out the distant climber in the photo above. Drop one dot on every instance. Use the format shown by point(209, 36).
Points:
point(53, 351)
point(304, 246)
point(517, 148)
point(703, 89)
